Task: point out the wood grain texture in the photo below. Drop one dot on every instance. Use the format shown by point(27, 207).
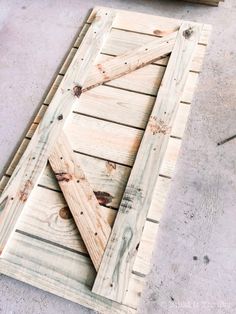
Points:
point(209, 2)
point(81, 199)
point(67, 274)
point(32, 163)
point(121, 41)
point(129, 61)
point(112, 277)
point(150, 24)
point(46, 228)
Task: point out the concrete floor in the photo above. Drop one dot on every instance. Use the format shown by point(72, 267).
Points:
point(195, 256)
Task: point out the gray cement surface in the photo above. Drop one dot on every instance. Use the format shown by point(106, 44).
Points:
point(194, 263)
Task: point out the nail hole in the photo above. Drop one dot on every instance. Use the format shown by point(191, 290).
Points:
point(51, 121)
point(165, 112)
point(103, 71)
point(125, 62)
point(81, 213)
point(146, 49)
point(95, 233)
point(77, 181)
point(12, 198)
point(111, 285)
point(95, 32)
point(105, 13)
point(61, 157)
point(82, 59)
point(33, 158)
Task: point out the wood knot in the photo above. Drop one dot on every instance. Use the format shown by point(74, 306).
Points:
point(63, 176)
point(65, 213)
point(103, 198)
point(60, 117)
point(77, 90)
point(111, 166)
point(188, 33)
point(157, 126)
point(23, 195)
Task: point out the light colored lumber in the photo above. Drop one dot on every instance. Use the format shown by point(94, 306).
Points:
point(32, 163)
point(48, 216)
point(150, 24)
point(48, 209)
point(65, 273)
point(122, 107)
point(108, 178)
point(129, 61)
point(103, 139)
point(121, 41)
point(148, 79)
point(81, 199)
point(46, 227)
point(209, 2)
point(113, 275)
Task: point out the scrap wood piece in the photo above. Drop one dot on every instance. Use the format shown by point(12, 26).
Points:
point(82, 202)
point(129, 61)
point(116, 266)
point(29, 169)
point(209, 2)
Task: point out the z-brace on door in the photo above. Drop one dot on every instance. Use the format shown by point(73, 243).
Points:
point(112, 251)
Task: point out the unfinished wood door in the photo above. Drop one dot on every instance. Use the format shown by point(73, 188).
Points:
point(111, 134)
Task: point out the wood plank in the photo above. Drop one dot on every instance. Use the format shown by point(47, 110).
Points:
point(32, 163)
point(209, 2)
point(126, 108)
point(150, 24)
point(107, 178)
point(112, 277)
point(64, 273)
point(47, 216)
point(116, 105)
point(130, 61)
point(121, 41)
point(81, 199)
point(142, 261)
point(147, 80)
point(103, 139)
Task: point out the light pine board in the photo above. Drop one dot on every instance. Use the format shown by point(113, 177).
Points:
point(112, 279)
point(81, 200)
point(30, 167)
point(117, 113)
point(209, 2)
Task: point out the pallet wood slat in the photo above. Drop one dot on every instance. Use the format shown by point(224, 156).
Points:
point(112, 277)
point(130, 61)
point(209, 2)
point(81, 199)
point(156, 26)
point(104, 131)
point(32, 163)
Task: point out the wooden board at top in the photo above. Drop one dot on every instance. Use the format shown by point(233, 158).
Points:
point(105, 130)
point(209, 2)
